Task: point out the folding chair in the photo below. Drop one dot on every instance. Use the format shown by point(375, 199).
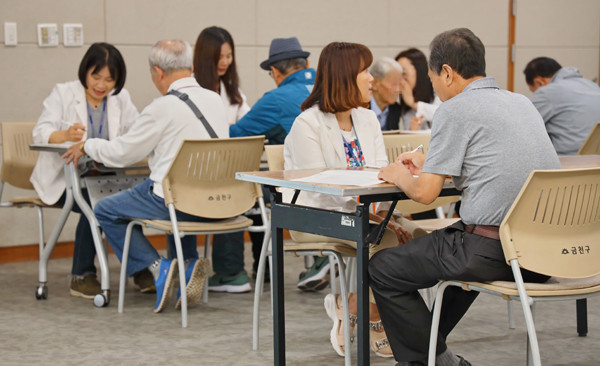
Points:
point(333, 250)
point(396, 145)
point(591, 146)
point(552, 228)
point(18, 162)
point(201, 182)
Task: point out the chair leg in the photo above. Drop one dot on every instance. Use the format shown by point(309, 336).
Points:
point(123, 274)
point(346, 321)
point(207, 256)
point(582, 323)
point(332, 282)
point(181, 264)
point(511, 315)
point(528, 308)
point(258, 288)
point(435, 322)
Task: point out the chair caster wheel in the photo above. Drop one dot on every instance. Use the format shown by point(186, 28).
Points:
point(102, 300)
point(41, 292)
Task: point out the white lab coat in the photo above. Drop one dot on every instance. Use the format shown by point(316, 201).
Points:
point(315, 141)
point(65, 106)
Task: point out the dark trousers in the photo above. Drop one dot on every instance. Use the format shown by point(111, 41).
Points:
point(84, 251)
point(447, 254)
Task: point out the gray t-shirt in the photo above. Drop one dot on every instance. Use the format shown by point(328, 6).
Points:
point(570, 107)
point(488, 140)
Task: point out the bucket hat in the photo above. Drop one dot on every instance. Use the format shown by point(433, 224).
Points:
point(283, 49)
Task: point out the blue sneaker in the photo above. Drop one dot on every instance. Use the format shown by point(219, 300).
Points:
point(195, 277)
point(164, 283)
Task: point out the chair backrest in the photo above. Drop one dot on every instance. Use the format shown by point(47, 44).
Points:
point(591, 146)
point(553, 226)
point(17, 159)
point(274, 156)
point(201, 179)
point(397, 144)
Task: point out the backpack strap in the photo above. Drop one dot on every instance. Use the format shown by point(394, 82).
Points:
point(185, 98)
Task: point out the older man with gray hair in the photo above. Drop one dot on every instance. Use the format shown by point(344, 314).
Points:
point(157, 134)
point(387, 74)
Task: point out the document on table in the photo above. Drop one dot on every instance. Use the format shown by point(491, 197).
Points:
point(344, 177)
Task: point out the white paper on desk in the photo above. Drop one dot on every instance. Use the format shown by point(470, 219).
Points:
point(344, 177)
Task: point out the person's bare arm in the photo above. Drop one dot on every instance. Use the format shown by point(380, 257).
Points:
point(424, 188)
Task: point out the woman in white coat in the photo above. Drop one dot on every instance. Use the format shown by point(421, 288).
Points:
point(336, 131)
point(96, 105)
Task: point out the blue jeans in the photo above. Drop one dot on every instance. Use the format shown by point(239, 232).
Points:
point(114, 213)
point(84, 251)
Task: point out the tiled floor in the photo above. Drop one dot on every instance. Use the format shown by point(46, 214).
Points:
point(64, 330)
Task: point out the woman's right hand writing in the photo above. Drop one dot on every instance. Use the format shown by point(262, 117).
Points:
point(75, 132)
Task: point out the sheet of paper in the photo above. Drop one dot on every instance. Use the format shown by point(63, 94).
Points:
point(344, 177)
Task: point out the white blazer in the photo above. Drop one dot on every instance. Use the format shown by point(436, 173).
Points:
point(235, 112)
point(315, 141)
point(65, 106)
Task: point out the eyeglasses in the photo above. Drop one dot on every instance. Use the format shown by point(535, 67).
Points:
point(271, 73)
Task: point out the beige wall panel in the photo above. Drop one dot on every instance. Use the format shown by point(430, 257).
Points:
point(28, 13)
point(496, 59)
point(249, 71)
point(585, 59)
point(317, 22)
point(159, 19)
point(574, 23)
point(417, 22)
point(33, 73)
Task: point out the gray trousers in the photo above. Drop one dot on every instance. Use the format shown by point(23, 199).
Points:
point(447, 254)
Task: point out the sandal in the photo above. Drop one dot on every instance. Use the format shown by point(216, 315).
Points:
point(333, 306)
point(378, 340)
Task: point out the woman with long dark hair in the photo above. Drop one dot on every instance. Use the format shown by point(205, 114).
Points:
point(215, 69)
point(418, 101)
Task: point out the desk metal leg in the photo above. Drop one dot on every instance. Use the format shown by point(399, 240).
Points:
point(73, 180)
point(42, 290)
point(278, 296)
point(362, 282)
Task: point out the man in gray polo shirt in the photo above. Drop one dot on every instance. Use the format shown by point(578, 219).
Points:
point(488, 140)
point(568, 103)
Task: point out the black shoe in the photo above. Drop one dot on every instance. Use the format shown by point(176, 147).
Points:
point(410, 363)
point(266, 278)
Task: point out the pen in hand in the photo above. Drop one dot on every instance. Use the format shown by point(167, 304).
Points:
point(416, 148)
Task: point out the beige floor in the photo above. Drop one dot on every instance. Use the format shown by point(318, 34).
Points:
point(68, 331)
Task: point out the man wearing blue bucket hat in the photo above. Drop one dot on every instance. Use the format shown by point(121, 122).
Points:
point(274, 113)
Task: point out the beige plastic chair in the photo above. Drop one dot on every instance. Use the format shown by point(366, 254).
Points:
point(275, 161)
point(553, 228)
point(201, 182)
point(394, 146)
point(18, 162)
point(591, 146)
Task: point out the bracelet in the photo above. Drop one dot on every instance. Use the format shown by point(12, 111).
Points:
point(81, 147)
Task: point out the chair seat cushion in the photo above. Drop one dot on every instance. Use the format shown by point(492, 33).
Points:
point(29, 202)
point(555, 286)
point(343, 249)
point(238, 222)
point(435, 224)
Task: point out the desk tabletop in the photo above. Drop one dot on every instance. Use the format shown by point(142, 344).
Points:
point(58, 148)
point(285, 178)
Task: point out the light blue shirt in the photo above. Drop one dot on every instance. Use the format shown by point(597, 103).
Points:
point(381, 115)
